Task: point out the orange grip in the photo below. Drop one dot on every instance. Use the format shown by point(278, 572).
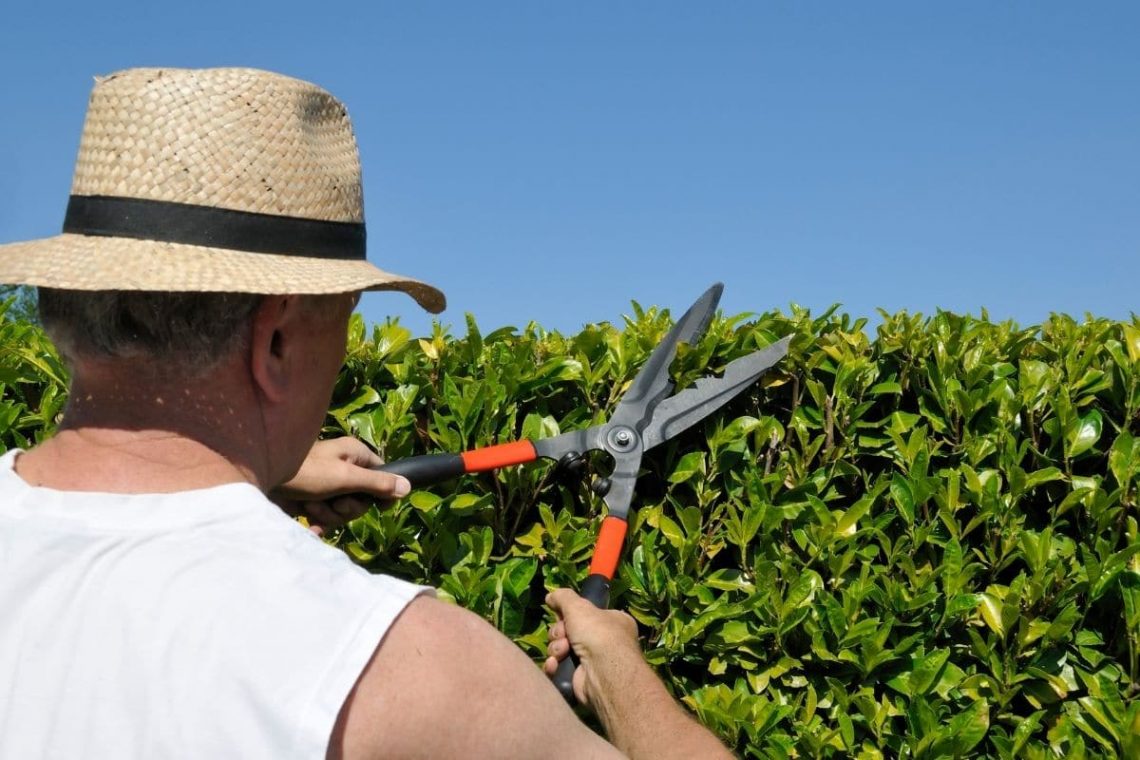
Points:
point(610, 540)
point(494, 457)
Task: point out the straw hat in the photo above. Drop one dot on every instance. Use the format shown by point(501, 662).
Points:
point(211, 180)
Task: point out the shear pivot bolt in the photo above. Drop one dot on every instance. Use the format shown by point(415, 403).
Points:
point(621, 439)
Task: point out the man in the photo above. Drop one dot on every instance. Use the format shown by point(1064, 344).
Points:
point(155, 602)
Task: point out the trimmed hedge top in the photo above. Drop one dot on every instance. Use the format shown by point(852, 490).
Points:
point(923, 545)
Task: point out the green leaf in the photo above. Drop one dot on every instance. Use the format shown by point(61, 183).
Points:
point(925, 673)
point(692, 465)
point(1061, 626)
point(516, 575)
point(990, 608)
point(903, 497)
point(671, 531)
point(903, 422)
point(1084, 435)
point(1132, 341)
point(536, 427)
point(736, 431)
point(967, 729)
point(1113, 566)
point(963, 603)
point(424, 501)
point(742, 522)
point(846, 730)
point(1025, 728)
point(801, 593)
point(365, 397)
point(728, 580)
point(1123, 458)
point(891, 387)
point(735, 632)
point(1044, 475)
point(430, 349)
point(359, 554)
point(847, 522)
point(465, 503)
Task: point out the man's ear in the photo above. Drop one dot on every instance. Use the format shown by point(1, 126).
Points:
point(270, 342)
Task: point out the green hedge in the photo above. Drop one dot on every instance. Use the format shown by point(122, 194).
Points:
point(922, 545)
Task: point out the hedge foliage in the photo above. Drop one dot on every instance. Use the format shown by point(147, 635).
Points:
point(922, 545)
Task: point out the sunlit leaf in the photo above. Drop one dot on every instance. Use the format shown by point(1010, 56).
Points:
point(1084, 434)
point(990, 609)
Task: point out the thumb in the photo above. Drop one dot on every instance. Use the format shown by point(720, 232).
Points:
point(384, 485)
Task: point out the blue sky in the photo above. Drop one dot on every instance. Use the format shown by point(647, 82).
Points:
point(554, 161)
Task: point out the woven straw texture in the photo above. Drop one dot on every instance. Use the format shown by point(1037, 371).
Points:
point(239, 139)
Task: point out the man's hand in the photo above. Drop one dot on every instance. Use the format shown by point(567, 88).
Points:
point(613, 679)
point(327, 489)
point(604, 640)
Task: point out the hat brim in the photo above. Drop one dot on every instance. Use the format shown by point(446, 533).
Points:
point(82, 262)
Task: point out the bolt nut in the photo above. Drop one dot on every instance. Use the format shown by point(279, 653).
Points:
point(621, 439)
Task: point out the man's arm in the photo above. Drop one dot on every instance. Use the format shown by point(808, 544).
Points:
point(444, 683)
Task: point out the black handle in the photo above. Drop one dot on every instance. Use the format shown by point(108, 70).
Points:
point(595, 589)
point(427, 468)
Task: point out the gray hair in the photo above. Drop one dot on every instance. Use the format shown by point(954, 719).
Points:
point(190, 331)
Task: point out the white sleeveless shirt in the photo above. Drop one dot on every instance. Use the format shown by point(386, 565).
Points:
point(202, 624)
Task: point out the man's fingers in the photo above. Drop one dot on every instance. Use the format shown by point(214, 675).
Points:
point(321, 514)
point(560, 598)
point(291, 507)
point(348, 507)
point(335, 512)
point(357, 452)
point(558, 648)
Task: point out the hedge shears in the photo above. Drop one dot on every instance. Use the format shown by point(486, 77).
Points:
point(645, 417)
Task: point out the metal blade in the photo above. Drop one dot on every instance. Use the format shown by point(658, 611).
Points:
point(692, 405)
point(653, 383)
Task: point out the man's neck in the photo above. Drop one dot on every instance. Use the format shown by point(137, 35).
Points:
point(151, 437)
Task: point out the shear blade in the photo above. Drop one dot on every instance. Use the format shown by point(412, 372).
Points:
point(653, 382)
point(680, 412)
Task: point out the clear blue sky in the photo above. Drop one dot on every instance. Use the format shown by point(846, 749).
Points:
point(554, 161)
